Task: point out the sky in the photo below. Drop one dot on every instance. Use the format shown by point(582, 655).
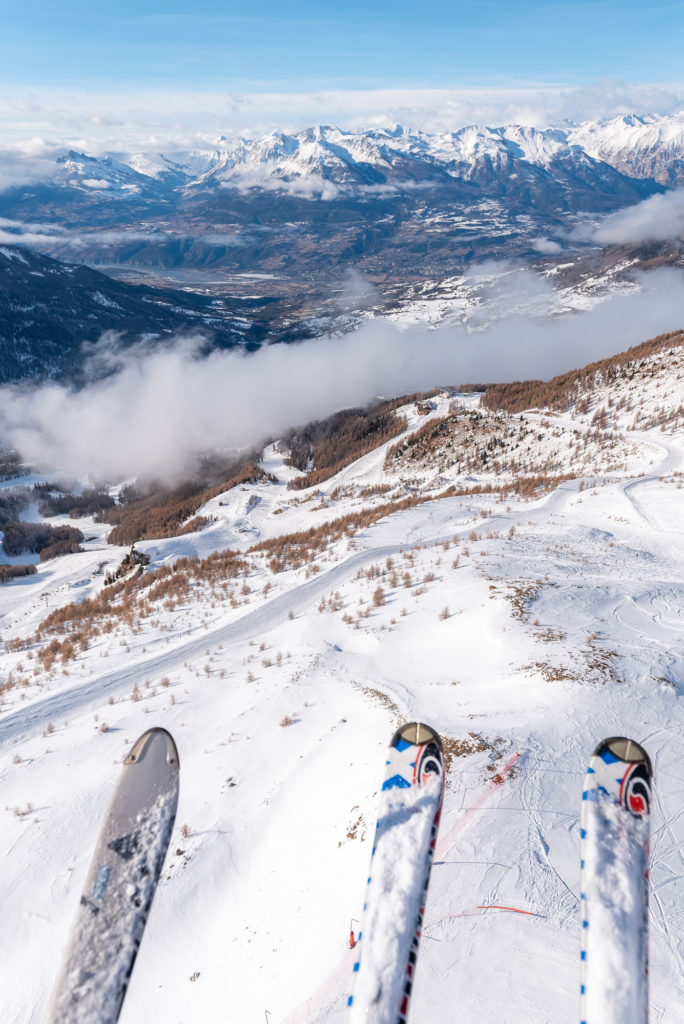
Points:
point(269, 45)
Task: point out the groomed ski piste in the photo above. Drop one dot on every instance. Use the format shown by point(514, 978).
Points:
point(528, 631)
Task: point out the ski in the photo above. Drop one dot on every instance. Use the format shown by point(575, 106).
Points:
point(120, 885)
point(614, 884)
point(403, 848)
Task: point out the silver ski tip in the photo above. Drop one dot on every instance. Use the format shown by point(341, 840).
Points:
point(416, 733)
point(626, 750)
point(153, 742)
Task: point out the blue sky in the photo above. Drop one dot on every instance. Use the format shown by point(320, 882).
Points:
point(360, 44)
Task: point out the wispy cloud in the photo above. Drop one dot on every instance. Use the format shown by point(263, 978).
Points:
point(182, 403)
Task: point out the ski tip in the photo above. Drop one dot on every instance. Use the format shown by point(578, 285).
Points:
point(156, 742)
point(415, 734)
point(624, 749)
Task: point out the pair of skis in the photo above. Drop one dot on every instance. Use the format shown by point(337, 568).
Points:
point(614, 882)
point(614, 838)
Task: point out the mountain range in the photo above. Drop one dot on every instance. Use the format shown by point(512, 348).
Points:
point(291, 235)
point(394, 202)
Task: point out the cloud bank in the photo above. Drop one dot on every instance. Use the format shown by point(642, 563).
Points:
point(657, 219)
point(159, 409)
point(34, 126)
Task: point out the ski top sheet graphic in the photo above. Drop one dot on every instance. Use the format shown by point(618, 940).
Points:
point(403, 848)
point(614, 884)
point(120, 885)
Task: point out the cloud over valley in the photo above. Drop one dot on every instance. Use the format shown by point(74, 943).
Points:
point(160, 408)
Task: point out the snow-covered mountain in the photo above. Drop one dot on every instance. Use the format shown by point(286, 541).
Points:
point(105, 176)
point(649, 146)
point(397, 204)
point(396, 157)
point(514, 579)
point(394, 203)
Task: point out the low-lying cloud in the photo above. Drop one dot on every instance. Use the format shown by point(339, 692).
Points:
point(657, 219)
point(51, 238)
point(159, 409)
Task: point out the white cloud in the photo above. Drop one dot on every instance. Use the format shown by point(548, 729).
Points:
point(547, 246)
point(657, 219)
point(181, 404)
point(162, 120)
point(311, 186)
point(31, 239)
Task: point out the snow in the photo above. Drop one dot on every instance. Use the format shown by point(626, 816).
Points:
point(12, 254)
point(395, 893)
point(102, 300)
point(644, 146)
point(615, 859)
point(563, 626)
point(96, 183)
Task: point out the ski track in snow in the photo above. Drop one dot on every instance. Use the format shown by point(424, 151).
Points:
point(32, 720)
point(253, 909)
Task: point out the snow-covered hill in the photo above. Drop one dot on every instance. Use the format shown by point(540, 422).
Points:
point(429, 588)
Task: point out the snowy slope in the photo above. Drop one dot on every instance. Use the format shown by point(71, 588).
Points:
point(515, 627)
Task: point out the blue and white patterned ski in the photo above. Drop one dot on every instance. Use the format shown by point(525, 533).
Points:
point(403, 848)
point(614, 884)
point(121, 883)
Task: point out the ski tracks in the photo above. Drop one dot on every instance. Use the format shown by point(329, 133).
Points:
point(34, 719)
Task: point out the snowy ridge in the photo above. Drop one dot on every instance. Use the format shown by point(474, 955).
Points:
point(534, 625)
point(650, 146)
